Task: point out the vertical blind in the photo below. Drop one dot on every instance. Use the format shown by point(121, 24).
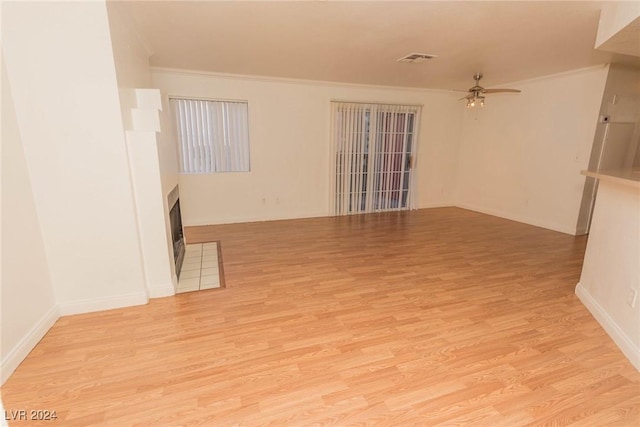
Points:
point(213, 135)
point(373, 145)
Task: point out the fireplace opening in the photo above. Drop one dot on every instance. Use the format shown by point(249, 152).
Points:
point(177, 235)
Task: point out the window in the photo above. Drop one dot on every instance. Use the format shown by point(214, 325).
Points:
point(213, 135)
point(373, 145)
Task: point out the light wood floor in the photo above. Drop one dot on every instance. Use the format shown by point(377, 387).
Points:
point(440, 316)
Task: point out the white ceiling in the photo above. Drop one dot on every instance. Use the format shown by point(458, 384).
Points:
point(360, 41)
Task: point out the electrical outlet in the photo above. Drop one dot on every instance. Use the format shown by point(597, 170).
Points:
point(632, 296)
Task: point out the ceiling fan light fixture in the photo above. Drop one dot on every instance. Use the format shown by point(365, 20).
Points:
point(475, 99)
point(477, 92)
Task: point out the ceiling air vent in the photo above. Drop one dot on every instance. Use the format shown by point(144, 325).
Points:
point(416, 58)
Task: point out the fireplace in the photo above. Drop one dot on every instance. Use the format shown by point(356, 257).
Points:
point(177, 236)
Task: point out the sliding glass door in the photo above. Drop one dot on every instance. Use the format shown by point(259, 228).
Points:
point(373, 146)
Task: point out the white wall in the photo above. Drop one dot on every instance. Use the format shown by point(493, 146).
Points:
point(27, 301)
point(131, 59)
point(289, 137)
point(614, 17)
point(521, 155)
point(618, 27)
point(611, 269)
point(61, 73)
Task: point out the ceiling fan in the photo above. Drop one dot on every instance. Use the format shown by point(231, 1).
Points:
point(477, 92)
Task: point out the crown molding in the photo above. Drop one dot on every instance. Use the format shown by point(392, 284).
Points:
point(288, 80)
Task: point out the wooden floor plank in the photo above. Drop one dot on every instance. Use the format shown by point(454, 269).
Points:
point(438, 316)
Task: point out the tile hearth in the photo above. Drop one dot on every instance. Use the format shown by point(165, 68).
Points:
point(201, 268)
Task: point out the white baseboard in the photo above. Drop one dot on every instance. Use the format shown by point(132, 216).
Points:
point(105, 303)
point(581, 231)
point(197, 222)
point(160, 291)
point(435, 205)
point(630, 350)
point(517, 218)
point(17, 354)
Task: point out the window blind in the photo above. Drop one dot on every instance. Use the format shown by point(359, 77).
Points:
point(213, 135)
point(373, 145)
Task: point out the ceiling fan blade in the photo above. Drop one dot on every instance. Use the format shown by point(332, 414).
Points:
point(466, 97)
point(502, 90)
